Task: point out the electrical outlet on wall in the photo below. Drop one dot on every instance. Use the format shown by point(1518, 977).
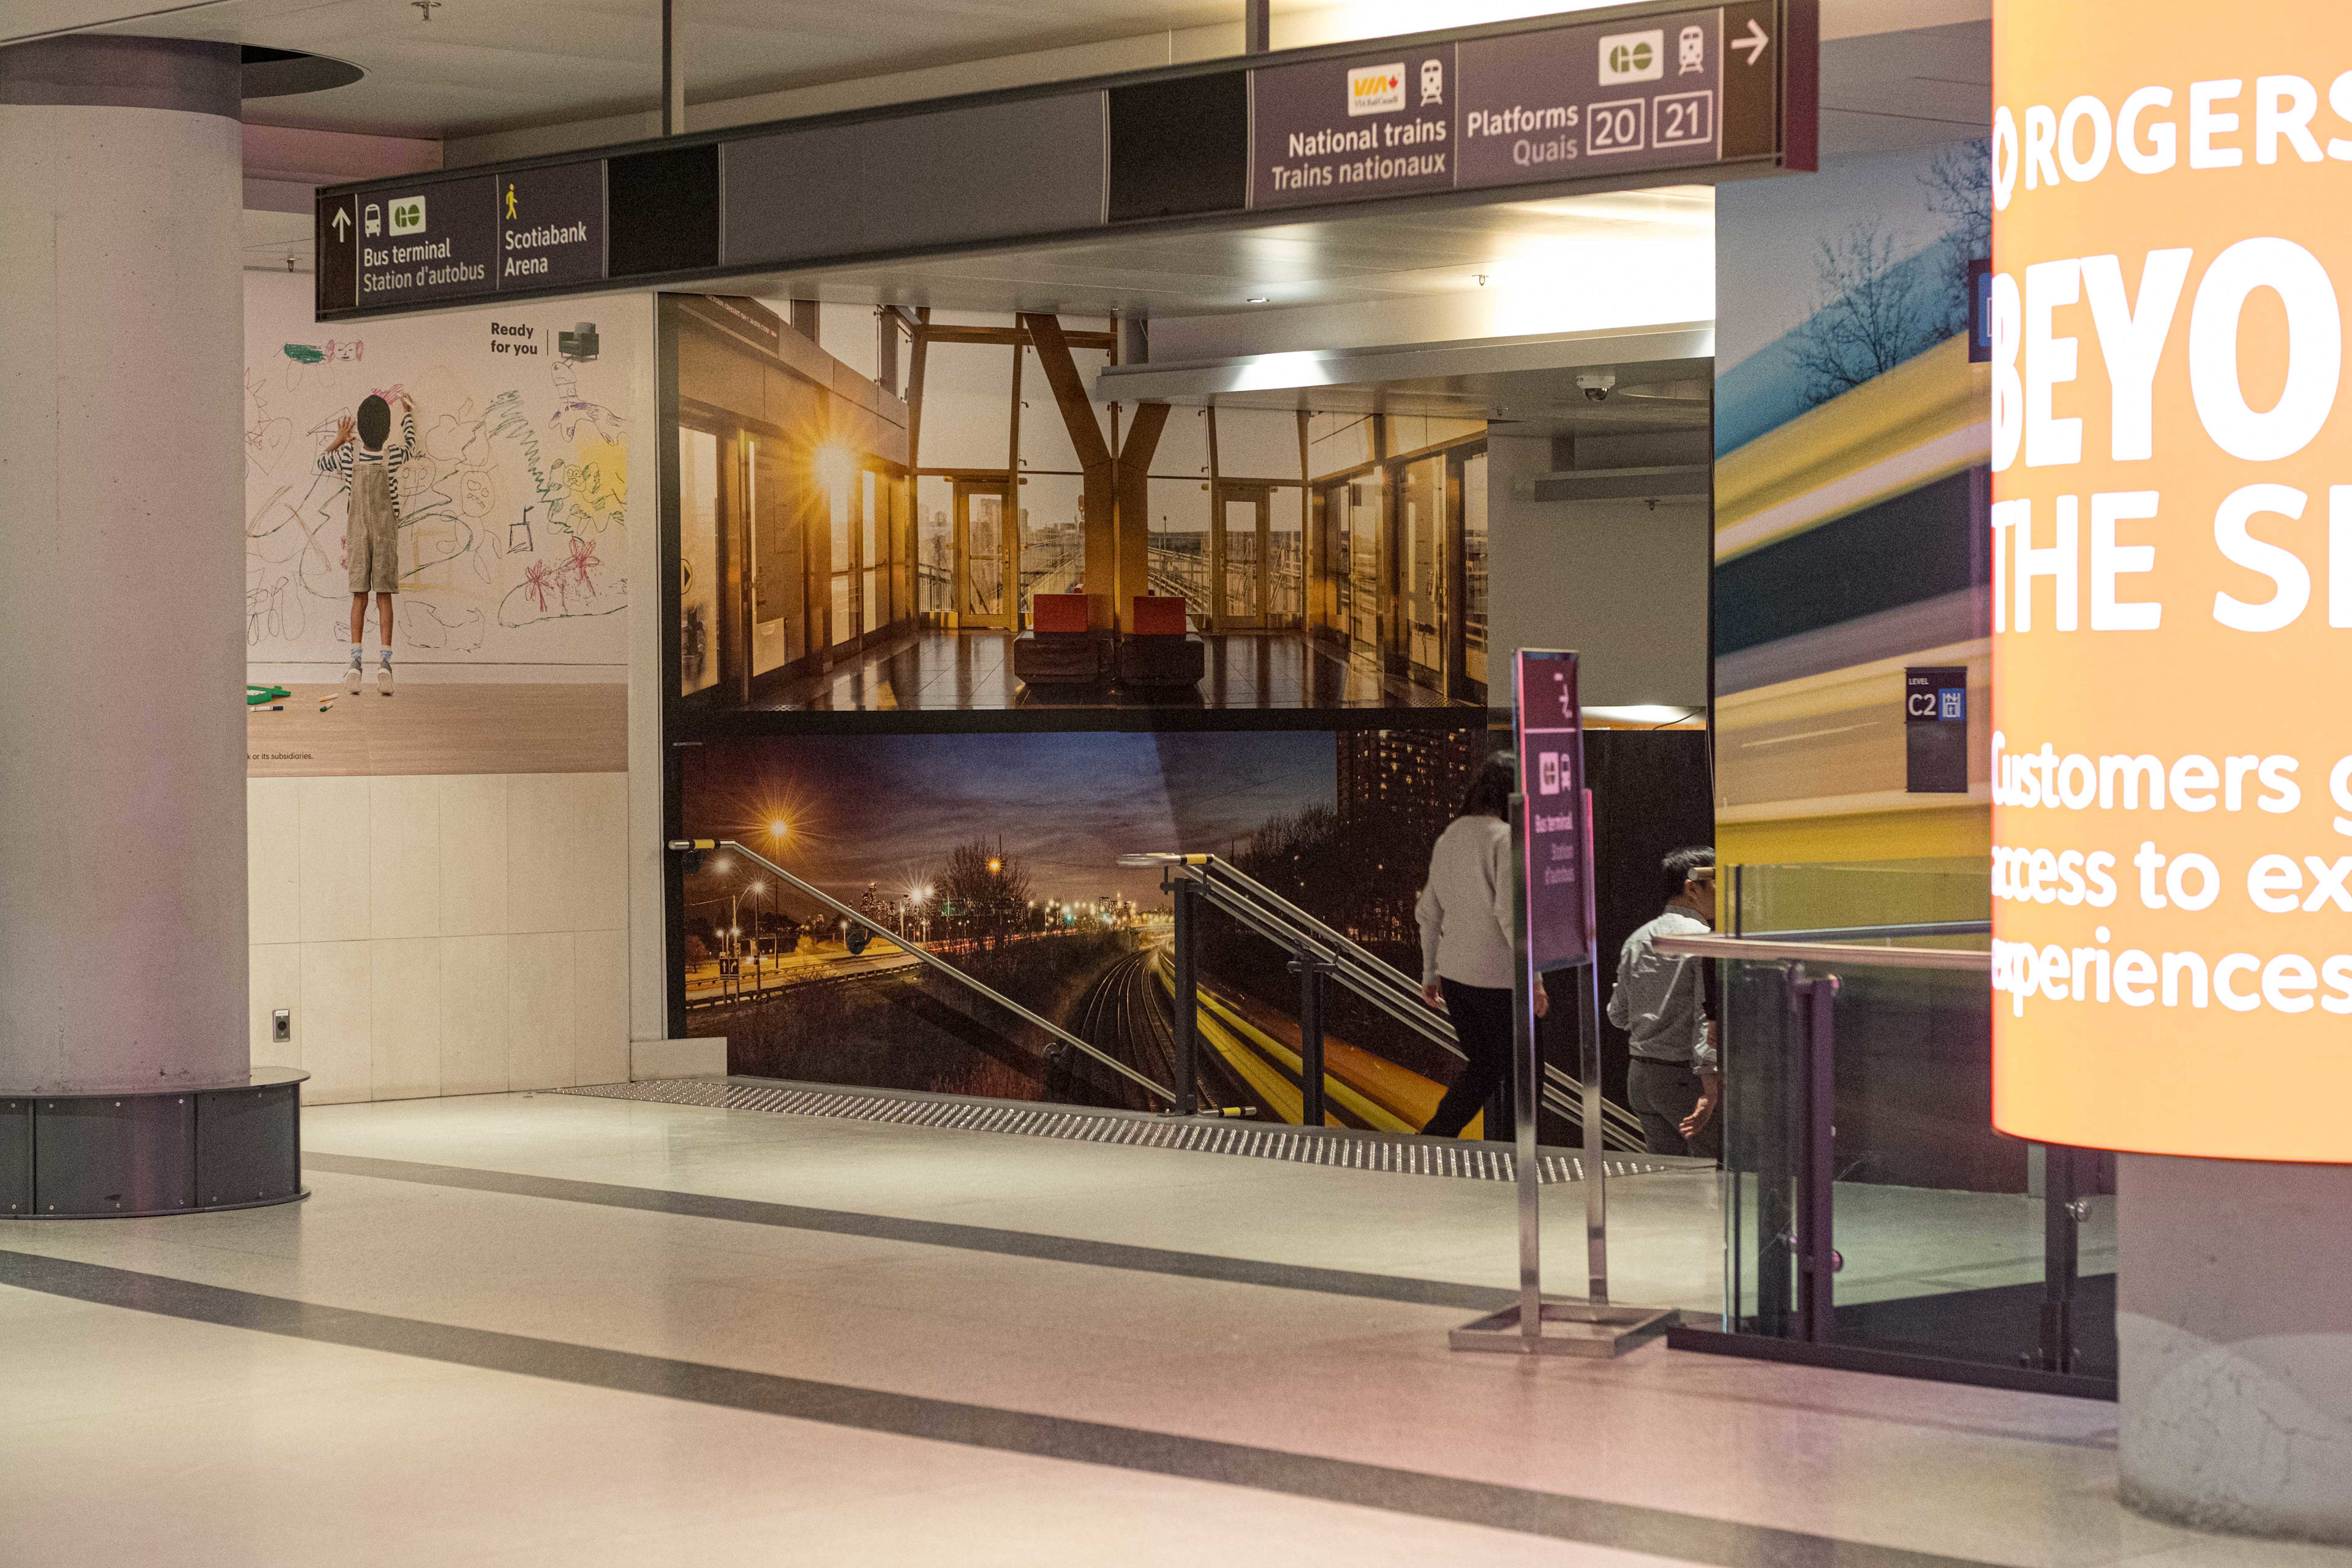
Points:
point(281, 1026)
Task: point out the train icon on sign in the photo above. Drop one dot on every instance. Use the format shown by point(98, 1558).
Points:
point(408, 215)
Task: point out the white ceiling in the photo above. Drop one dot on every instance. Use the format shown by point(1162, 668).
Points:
point(477, 66)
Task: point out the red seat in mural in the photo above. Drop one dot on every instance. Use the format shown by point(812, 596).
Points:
point(1062, 647)
point(1157, 650)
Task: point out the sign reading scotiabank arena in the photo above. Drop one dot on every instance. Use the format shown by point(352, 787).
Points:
point(2172, 576)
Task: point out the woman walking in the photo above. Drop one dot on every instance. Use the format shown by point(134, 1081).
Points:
point(1468, 943)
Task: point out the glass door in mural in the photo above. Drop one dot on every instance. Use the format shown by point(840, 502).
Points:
point(1363, 497)
point(779, 585)
point(698, 562)
point(872, 531)
point(1238, 551)
point(841, 573)
point(1421, 560)
point(1473, 577)
point(985, 553)
point(1285, 557)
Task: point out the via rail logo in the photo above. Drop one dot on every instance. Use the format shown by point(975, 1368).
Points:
point(1375, 90)
point(1633, 57)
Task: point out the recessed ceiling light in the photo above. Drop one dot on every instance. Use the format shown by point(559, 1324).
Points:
point(1256, 299)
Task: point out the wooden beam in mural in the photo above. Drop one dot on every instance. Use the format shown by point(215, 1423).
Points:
point(1131, 574)
point(1096, 460)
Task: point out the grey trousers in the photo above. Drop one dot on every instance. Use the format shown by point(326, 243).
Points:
point(1662, 1094)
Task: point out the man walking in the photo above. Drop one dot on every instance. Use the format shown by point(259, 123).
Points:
point(1675, 1079)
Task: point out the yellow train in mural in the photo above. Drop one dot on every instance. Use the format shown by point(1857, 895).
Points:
point(1849, 545)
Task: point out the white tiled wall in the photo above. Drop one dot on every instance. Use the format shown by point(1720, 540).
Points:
point(457, 934)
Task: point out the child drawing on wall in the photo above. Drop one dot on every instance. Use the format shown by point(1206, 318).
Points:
point(372, 538)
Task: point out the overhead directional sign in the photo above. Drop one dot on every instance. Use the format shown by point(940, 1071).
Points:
point(1707, 92)
point(551, 225)
point(427, 243)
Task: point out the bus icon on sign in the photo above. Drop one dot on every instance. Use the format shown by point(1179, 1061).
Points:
point(1633, 57)
point(408, 215)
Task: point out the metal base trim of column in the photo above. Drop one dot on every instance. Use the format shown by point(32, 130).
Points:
point(168, 1213)
point(130, 1155)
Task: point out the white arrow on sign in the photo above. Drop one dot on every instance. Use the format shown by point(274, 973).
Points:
point(1755, 42)
point(342, 223)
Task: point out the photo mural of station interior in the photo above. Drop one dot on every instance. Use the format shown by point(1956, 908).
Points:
point(840, 546)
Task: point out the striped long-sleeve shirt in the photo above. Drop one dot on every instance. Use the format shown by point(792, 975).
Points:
point(340, 459)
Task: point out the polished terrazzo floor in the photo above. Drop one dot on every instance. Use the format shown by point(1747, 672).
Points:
point(552, 1329)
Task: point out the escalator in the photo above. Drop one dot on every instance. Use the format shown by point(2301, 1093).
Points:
point(1352, 1087)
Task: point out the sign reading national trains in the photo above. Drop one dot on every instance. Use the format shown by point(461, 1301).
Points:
point(1336, 130)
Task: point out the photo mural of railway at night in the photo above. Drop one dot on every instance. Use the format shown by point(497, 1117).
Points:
point(998, 852)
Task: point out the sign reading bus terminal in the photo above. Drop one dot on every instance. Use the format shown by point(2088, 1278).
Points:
point(2172, 578)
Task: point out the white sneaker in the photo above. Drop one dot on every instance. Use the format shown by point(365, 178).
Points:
point(382, 678)
point(352, 675)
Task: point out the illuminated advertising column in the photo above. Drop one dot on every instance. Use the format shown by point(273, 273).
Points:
point(2172, 576)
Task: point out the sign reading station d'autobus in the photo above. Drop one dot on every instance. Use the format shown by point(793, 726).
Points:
point(2172, 578)
point(1548, 720)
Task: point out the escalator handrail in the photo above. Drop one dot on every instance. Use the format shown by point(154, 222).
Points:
point(1362, 971)
point(925, 956)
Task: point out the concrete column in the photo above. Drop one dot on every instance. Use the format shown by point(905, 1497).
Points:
point(122, 870)
point(2235, 1326)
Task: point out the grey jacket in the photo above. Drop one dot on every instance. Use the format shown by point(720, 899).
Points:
point(1659, 1000)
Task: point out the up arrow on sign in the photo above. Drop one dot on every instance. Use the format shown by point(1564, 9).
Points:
point(342, 224)
point(1755, 42)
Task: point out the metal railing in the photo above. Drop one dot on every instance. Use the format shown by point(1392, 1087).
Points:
point(1782, 950)
point(925, 956)
point(1319, 951)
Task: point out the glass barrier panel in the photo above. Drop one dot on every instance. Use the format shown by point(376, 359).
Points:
point(1951, 1241)
point(1857, 895)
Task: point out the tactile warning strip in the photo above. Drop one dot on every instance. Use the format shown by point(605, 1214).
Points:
point(1246, 1140)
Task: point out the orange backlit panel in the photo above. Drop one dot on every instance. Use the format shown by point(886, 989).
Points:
point(2171, 554)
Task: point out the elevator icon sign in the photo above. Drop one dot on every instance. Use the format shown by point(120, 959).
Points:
point(408, 215)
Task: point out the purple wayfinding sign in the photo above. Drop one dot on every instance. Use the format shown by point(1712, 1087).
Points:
point(1548, 725)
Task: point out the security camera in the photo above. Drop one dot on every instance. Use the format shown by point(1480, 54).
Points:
point(1597, 382)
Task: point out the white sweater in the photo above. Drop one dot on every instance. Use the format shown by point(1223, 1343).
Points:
point(1467, 926)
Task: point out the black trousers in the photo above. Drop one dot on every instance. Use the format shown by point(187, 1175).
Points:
point(1482, 1025)
point(1662, 1093)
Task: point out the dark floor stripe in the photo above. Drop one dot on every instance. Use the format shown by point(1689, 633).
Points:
point(933, 1233)
point(1622, 1526)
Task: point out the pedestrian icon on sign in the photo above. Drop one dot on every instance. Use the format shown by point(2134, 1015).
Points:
point(1693, 50)
point(510, 201)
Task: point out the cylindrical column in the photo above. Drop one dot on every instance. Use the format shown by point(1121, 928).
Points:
point(122, 865)
point(2236, 1337)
